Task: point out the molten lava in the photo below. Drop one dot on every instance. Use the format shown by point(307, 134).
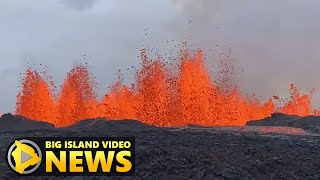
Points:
point(76, 100)
point(36, 100)
point(163, 94)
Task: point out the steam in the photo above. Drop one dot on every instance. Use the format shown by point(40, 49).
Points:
point(274, 42)
point(198, 10)
point(79, 4)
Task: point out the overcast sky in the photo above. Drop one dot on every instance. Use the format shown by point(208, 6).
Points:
point(274, 42)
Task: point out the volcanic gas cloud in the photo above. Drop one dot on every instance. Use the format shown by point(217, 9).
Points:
point(163, 94)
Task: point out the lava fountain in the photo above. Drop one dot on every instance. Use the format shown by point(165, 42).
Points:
point(36, 100)
point(163, 94)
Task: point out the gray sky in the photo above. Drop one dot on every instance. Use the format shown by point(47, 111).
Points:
point(274, 42)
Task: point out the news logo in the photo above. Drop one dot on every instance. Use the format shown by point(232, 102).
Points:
point(25, 154)
point(66, 156)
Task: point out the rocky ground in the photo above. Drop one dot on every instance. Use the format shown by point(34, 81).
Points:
point(191, 152)
point(308, 123)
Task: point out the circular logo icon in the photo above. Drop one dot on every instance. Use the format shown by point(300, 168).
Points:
point(24, 156)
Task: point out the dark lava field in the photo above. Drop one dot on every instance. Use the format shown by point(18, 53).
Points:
point(260, 150)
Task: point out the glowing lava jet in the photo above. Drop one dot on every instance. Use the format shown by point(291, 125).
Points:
point(161, 95)
point(36, 100)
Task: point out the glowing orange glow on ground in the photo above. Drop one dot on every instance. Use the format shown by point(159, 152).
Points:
point(162, 95)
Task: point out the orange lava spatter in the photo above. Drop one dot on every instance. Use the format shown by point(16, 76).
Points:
point(76, 100)
point(162, 94)
point(35, 100)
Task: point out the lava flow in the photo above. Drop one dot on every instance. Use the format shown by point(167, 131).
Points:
point(162, 94)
